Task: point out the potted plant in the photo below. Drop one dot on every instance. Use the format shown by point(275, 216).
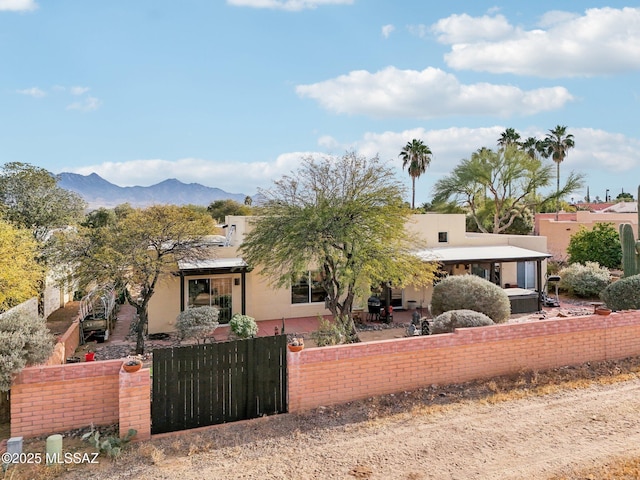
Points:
point(603, 310)
point(132, 364)
point(295, 344)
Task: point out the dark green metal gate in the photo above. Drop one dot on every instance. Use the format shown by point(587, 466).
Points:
point(199, 385)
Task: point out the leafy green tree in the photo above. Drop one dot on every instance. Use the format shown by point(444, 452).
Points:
point(344, 216)
point(31, 199)
point(556, 145)
point(135, 251)
point(625, 197)
point(221, 208)
point(24, 340)
point(20, 272)
point(101, 217)
point(504, 182)
point(601, 244)
point(416, 157)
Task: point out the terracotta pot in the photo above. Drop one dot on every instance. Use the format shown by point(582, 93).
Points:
point(603, 311)
point(132, 368)
point(295, 348)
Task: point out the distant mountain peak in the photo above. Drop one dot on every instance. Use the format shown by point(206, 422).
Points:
point(98, 192)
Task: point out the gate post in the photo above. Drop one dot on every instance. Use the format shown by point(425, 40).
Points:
point(134, 403)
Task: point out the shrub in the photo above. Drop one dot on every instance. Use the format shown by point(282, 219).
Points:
point(448, 321)
point(584, 280)
point(470, 292)
point(341, 330)
point(243, 326)
point(24, 340)
point(623, 294)
point(601, 245)
point(197, 322)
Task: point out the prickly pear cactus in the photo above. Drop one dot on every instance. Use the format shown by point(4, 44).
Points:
point(630, 246)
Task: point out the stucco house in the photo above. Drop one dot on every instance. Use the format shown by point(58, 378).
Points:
point(225, 280)
point(559, 232)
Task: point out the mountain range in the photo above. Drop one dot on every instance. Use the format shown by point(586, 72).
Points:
point(98, 192)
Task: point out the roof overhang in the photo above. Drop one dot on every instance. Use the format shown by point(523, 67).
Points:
point(213, 266)
point(480, 254)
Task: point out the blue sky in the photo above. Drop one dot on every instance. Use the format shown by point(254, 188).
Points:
point(231, 94)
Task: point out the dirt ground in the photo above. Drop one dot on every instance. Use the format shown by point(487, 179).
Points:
point(506, 428)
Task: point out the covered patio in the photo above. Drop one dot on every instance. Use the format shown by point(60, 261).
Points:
point(489, 262)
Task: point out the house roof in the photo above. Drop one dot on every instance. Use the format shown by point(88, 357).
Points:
point(215, 265)
point(622, 207)
point(493, 253)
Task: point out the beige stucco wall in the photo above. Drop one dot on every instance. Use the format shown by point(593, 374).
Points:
point(264, 302)
point(559, 233)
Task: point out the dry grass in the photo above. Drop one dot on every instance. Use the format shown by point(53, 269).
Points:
point(618, 469)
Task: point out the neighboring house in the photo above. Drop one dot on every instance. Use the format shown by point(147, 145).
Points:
point(227, 281)
point(559, 232)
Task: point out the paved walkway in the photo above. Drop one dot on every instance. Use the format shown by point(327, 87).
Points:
point(302, 326)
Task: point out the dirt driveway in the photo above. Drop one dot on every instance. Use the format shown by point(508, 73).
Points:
point(535, 437)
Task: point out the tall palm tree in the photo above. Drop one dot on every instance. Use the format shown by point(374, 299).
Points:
point(556, 145)
point(416, 156)
point(509, 137)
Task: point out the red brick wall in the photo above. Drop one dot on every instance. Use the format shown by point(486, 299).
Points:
point(56, 398)
point(331, 375)
point(135, 403)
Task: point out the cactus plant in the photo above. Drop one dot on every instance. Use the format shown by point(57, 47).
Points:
point(630, 246)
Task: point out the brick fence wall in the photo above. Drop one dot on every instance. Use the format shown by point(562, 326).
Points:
point(55, 398)
point(52, 399)
point(332, 375)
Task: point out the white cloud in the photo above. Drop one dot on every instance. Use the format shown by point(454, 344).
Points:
point(87, 104)
point(464, 28)
point(290, 5)
point(597, 152)
point(78, 90)
point(426, 94)
point(17, 5)
point(387, 30)
point(34, 92)
point(602, 41)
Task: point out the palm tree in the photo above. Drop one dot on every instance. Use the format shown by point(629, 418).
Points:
point(509, 137)
point(416, 156)
point(556, 145)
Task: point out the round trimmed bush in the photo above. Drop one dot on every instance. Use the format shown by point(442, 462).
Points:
point(470, 292)
point(448, 321)
point(243, 326)
point(623, 294)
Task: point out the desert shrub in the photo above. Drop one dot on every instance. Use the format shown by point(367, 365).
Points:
point(586, 280)
point(197, 322)
point(623, 294)
point(600, 244)
point(341, 330)
point(470, 292)
point(448, 321)
point(24, 340)
point(243, 326)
